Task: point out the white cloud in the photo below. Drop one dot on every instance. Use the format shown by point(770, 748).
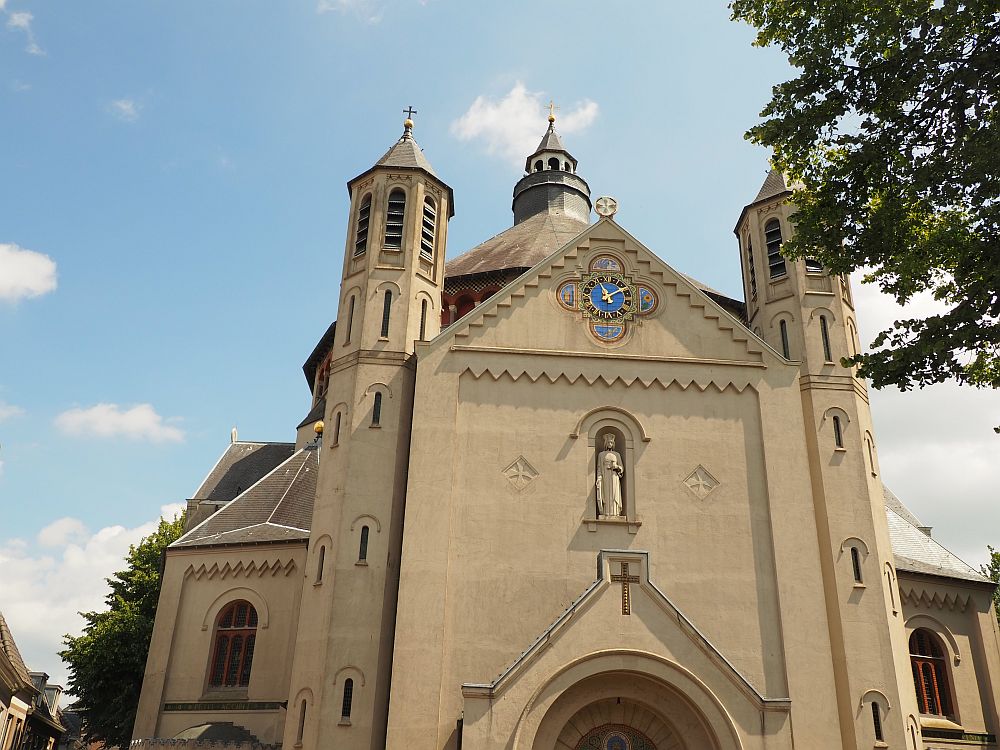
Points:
point(21, 21)
point(20, 86)
point(126, 110)
point(24, 273)
point(141, 422)
point(368, 11)
point(8, 411)
point(512, 126)
point(44, 588)
point(936, 446)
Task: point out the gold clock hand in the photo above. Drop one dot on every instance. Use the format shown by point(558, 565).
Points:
point(605, 297)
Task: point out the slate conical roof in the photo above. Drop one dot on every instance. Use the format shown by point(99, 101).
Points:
point(406, 153)
point(774, 185)
point(551, 140)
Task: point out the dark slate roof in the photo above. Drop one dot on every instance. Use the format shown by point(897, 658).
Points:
point(319, 351)
point(406, 153)
point(9, 648)
point(774, 185)
point(242, 465)
point(277, 508)
point(916, 552)
point(550, 141)
point(315, 414)
point(521, 246)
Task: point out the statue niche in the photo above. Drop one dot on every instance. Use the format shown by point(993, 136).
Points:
point(610, 474)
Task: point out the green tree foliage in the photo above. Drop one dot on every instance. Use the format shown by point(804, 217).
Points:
point(107, 661)
point(992, 571)
point(890, 132)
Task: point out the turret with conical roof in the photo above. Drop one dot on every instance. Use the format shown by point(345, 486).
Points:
point(551, 184)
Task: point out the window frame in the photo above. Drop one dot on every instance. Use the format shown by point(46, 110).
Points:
point(243, 666)
point(777, 264)
point(938, 691)
point(361, 233)
point(401, 224)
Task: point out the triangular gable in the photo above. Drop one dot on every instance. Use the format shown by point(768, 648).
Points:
point(692, 328)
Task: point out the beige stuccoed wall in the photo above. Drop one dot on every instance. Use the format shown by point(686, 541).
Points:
point(741, 563)
point(197, 584)
point(961, 615)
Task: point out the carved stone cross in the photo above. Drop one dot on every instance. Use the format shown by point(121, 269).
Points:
point(625, 579)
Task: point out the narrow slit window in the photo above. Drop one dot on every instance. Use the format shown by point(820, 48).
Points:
point(345, 706)
point(320, 564)
point(363, 547)
point(775, 260)
point(427, 228)
point(394, 219)
point(423, 320)
point(386, 310)
point(361, 231)
point(376, 410)
point(752, 272)
point(838, 433)
point(783, 326)
point(877, 722)
point(350, 319)
point(336, 429)
point(824, 331)
point(856, 564)
point(871, 455)
point(302, 722)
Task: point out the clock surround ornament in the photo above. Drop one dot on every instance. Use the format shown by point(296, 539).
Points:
point(608, 298)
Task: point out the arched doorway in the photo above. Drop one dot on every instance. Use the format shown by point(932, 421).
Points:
point(618, 724)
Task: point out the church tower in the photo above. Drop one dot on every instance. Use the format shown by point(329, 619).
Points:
point(390, 296)
point(808, 316)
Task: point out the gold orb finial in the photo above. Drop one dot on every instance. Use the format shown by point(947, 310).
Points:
point(408, 123)
point(318, 427)
point(552, 111)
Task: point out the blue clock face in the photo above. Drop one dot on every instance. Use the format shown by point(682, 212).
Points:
point(608, 296)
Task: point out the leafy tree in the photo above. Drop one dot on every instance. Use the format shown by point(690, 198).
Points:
point(992, 571)
point(106, 663)
point(890, 132)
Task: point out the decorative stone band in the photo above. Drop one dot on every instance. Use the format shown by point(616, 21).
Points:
point(225, 706)
point(198, 745)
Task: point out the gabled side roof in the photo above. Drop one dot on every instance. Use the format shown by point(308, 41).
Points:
point(277, 508)
point(242, 465)
point(917, 552)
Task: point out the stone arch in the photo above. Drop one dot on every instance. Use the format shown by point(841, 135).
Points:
point(390, 285)
point(853, 541)
point(378, 387)
point(422, 295)
point(876, 695)
point(644, 681)
point(237, 592)
point(817, 311)
point(585, 422)
point(350, 669)
point(628, 717)
point(939, 629)
point(373, 519)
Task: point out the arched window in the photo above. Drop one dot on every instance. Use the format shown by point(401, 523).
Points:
point(553, 163)
point(394, 214)
point(752, 272)
point(824, 332)
point(783, 327)
point(235, 635)
point(345, 706)
point(813, 266)
point(386, 310)
point(890, 582)
point(838, 433)
point(363, 548)
point(361, 230)
point(856, 564)
point(877, 722)
point(538, 165)
point(423, 320)
point(320, 563)
point(428, 228)
point(302, 722)
point(869, 443)
point(336, 429)
point(350, 319)
point(930, 673)
point(772, 238)
point(567, 167)
point(377, 409)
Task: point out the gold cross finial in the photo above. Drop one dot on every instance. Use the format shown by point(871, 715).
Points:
point(552, 111)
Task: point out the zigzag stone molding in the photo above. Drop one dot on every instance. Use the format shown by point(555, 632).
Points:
point(920, 597)
point(240, 569)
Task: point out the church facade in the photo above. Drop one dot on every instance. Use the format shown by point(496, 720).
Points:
point(554, 493)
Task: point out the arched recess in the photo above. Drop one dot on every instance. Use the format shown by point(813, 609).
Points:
point(382, 286)
point(349, 671)
point(306, 694)
point(317, 543)
point(238, 592)
point(378, 524)
point(629, 435)
point(854, 541)
point(827, 423)
point(422, 295)
point(817, 311)
point(678, 698)
point(939, 629)
point(378, 387)
point(875, 698)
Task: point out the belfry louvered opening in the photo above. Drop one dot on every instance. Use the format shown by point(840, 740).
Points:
point(361, 231)
point(428, 227)
point(772, 238)
point(394, 216)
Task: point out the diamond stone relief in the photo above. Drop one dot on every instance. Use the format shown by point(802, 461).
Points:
point(520, 473)
point(701, 482)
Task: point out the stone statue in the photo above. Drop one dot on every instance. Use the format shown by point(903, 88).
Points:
point(609, 482)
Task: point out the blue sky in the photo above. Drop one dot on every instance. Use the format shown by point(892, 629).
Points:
point(174, 206)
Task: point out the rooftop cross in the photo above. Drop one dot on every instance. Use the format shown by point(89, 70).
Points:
point(409, 112)
point(552, 111)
